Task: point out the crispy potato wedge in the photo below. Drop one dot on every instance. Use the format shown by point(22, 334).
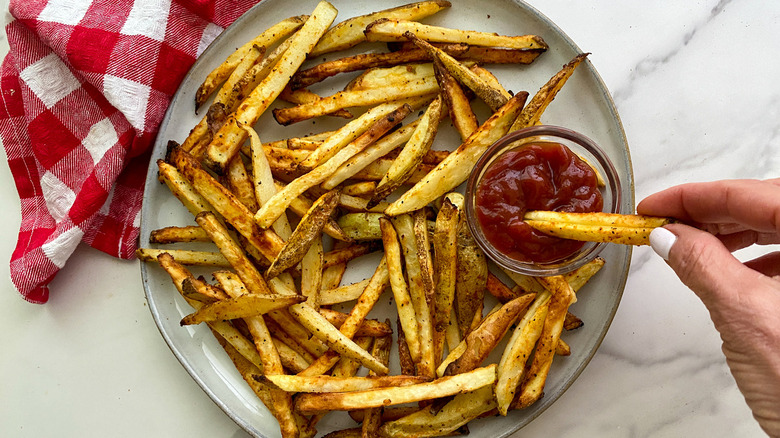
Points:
point(395, 30)
point(445, 265)
point(311, 272)
point(307, 231)
point(442, 387)
point(596, 227)
point(190, 233)
point(471, 278)
point(349, 32)
point(240, 307)
point(458, 165)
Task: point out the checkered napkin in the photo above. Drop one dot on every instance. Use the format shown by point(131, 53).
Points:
point(84, 88)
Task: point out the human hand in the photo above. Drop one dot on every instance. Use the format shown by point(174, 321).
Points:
point(743, 298)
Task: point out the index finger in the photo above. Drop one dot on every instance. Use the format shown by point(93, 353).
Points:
point(752, 203)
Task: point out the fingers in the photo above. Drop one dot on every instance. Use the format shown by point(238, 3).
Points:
point(751, 203)
point(704, 264)
point(767, 264)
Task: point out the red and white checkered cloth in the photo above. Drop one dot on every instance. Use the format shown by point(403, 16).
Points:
point(84, 88)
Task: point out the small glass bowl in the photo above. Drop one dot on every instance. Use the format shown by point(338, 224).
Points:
point(586, 149)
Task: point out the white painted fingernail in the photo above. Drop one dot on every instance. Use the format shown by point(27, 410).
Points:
point(662, 240)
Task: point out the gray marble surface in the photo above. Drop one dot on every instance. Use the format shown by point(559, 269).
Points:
point(697, 90)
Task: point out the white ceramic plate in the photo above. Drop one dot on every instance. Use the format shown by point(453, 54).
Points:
point(584, 105)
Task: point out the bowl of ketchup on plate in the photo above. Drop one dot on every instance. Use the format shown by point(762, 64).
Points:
point(538, 168)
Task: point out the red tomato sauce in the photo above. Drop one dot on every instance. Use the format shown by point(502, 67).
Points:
point(536, 176)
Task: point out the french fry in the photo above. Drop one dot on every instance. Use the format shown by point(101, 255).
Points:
point(596, 227)
point(291, 359)
point(275, 206)
point(426, 364)
point(265, 39)
point(305, 233)
point(498, 289)
point(236, 213)
point(347, 253)
point(442, 387)
point(356, 98)
point(366, 61)
point(480, 342)
point(178, 234)
point(361, 226)
point(400, 288)
point(198, 290)
point(445, 263)
point(302, 204)
point(458, 165)
point(182, 189)
point(369, 327)
point(343, 136)
point(240, 307)
point(184, 256)
point(349, 32)
point(347, 367)
point(512, 365)
point(536, 376)
point(228, 140)
point(390, 76)
point(325, 384)
point(342, 294)
point(239, 182)
point(424, 257)
point(412, 153)
point(370, 155)
point(542, 99)
point(263, 181)
point(376, 286)
point(372, 418)
point(458, 104)
point(579, 277)
point(302, 95)
point(311, 272)
point(362, 188)
point(395, 30)
point(471, 278)
point(495, 98)
point(458, 412)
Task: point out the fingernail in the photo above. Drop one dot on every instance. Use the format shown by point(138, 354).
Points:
point(662, 240)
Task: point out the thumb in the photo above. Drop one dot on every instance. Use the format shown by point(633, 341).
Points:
point(702, 262)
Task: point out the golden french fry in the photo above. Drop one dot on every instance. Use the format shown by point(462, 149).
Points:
point(372, 417)
point(311, 272)
point(471, 278)
point(229, 138)
point(442, 387)
point(533, 111)
point(395, 30)
point(480, 342)
point(342, 294)
point(445, 266)
point(240, 307)
point(458, 104)
point(302, 95)
point(324, 384)
point(412, 153)
point(536, 376)
point(184, 256)
point(459, 411)
point(276, 206)
point(390, 76)
point(400, 288)
point(178, 234)
point(512, 365)
point(363, 188)
point(349, 32)
point(307, 231)
point(369, 327)
point(458, 165)
point(495, 98)
point(596, 227)
point(182, 189)
point(357, 98)
point(265, 39)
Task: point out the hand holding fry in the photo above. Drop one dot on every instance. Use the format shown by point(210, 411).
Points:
point(742, 297)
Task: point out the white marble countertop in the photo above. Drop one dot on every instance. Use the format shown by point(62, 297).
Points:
point(697, 89)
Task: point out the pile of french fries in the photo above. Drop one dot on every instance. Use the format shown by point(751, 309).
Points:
point(287, 216)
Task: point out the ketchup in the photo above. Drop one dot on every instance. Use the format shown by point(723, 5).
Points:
point(536, 176)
